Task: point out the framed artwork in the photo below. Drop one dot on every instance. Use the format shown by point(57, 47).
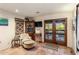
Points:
point(3, 22)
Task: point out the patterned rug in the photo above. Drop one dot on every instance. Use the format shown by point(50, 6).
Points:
point(51, 46)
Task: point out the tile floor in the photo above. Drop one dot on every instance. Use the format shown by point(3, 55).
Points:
point(38, 50)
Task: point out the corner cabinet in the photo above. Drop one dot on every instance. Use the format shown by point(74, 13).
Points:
point(30, 28)
point(55, 31)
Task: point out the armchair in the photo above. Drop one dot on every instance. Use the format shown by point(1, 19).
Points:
point(26, 41)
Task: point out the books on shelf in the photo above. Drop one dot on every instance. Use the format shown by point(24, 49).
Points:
point(29, 29)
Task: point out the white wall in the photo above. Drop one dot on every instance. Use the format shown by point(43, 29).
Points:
point(74, 31)
point(68, 15)
point(7, 33)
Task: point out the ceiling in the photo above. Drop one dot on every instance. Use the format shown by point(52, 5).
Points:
point(36, 9)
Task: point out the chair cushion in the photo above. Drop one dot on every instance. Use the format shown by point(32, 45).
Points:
point(29, 42)
point(25, 36)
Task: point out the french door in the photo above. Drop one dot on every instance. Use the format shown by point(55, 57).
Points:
point(48, 31)
point(61, 31)
point(56, 31)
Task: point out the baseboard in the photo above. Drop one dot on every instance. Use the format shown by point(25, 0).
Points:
point(73, 52)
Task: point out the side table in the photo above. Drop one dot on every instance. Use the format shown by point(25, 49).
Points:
point(15, 43)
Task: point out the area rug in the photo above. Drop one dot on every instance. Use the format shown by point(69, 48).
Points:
point(51, 46)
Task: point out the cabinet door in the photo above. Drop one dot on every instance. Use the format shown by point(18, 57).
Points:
point(30, 28)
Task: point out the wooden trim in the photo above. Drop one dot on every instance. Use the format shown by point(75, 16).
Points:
point(66, 31)
point(72, 51)
point(19, 19)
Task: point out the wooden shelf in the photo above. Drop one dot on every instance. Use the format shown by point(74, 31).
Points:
point(30, 28)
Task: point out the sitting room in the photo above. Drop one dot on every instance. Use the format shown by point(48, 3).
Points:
point(37, 29)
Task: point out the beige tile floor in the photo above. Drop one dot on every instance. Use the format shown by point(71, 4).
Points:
point(38, 50)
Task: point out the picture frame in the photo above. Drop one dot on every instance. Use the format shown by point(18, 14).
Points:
point(3, 21)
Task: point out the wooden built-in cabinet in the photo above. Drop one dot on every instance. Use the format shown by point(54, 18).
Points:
point(30, 28)
point(55, 31)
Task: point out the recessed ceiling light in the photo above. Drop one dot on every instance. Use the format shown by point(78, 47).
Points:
point(17, 10)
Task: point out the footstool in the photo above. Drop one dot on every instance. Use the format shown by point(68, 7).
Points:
point(29, 44)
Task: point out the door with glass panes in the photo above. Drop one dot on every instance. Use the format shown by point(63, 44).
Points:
point(48, 31)
point(61, 31)
point(55, 31)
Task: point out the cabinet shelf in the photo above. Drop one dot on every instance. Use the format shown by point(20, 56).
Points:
point(30, 28)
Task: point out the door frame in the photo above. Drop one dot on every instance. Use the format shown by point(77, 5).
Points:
point(54, 31)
